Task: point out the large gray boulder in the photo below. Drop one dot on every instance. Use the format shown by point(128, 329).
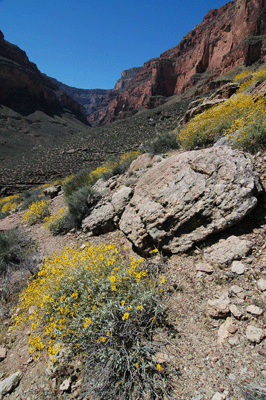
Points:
point(189, 196)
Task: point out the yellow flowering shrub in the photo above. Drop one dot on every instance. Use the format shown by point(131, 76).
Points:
point(53, 218)
point(130, 156)
point(8, 204)
point(242, 75)
point(37, 212)
point(240, 113)
point(104, 307)
point(110, 168)
point(66, 179)
point(102, 169)
point(9, 198)
point(257, 76)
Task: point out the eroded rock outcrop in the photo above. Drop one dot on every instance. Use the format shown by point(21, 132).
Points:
point(189, 196)
point(105, 215)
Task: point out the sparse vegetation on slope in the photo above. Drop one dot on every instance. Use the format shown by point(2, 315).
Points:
point(37, 212)
point(16, 250)
point(242, 116)
point(95, 303)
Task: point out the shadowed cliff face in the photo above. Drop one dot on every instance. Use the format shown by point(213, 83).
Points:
point(25, 90)
point(96, 101)
point(231, 35)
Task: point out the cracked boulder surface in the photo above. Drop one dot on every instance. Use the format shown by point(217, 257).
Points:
point(188, 197)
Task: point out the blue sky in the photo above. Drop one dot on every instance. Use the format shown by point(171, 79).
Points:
point(87, 44)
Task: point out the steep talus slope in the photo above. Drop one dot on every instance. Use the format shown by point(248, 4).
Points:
point(232, 35)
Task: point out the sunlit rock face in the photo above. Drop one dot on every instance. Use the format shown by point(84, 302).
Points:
point(228, 36)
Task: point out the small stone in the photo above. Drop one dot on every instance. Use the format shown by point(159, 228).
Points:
point(255, 310)
point(53, 383)
point(232, 328)
point(217, 308)
point(161, 358)
point(231, 377)
point(226, 251)
point(204, 267)
point(255, 334)
point(262, 284)
point(239, 301)
point(218, 396)
point(65, 385)
point(241, 296)
point(113, 185)
point(233, 341)
point(2, 353)
point(236, 289)
point(199, 274)
point(238, 268)
point(83, 246)
point(226, 329)
point(261, 351)
point(31, 310)
point(10, 383)
point(235, 311)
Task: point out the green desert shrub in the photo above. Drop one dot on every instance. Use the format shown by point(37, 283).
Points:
point(78, 181)
point(80, 202)
point(253, 136)
point(62, 225)
point(59, 222)
point(30, 196)
point(164, 142)
point(107, 309)
point(18, 261)
point(15, 250)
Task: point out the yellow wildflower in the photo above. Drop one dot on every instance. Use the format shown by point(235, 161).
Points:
point(126, 315)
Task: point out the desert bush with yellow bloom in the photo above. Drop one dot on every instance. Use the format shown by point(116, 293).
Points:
point(241, 113)
point(100, 305)
point(56, 221)
point(37, 212)
point(8, 204)
point(258, 76)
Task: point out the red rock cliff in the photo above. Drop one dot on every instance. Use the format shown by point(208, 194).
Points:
point(228, 36)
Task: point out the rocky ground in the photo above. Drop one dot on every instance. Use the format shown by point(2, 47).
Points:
point(216, 302)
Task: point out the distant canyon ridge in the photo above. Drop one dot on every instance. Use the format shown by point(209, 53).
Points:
point(96, 101)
